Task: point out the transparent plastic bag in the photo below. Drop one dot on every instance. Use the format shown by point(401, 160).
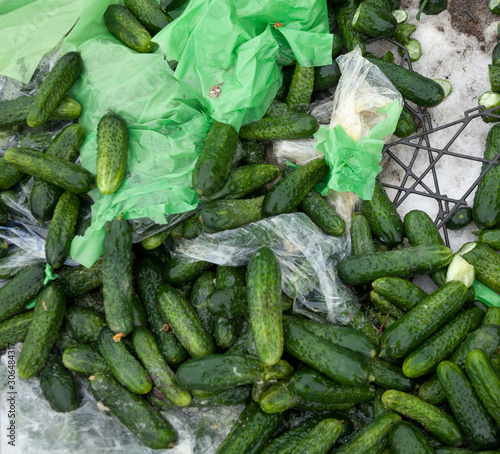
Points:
point(307, 258)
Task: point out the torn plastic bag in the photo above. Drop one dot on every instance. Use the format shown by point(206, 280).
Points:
point(307, 258)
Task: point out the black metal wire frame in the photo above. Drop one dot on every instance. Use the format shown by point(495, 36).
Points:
point(421, 143)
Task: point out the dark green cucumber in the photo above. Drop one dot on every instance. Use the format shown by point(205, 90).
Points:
point(278, 109)
point(416, 326)
point(361, 236)
point(326, 77)
point(14, 330)
point(412, 85)
point(308, 405)
point(491, 238)
point(184, 322)
point(414, 261)
point(433, 7)
point(264, 304)
point(69, 109)
point(400, 292)
point(54, 88)
point(374, 20)
point(288, 127)
point(404, 438)
point(478, 426)
point(279, 397)
point(127, 370)
point(286, 195)
point(123, 24)
point(112, 152)
point(44, 195)
point(321, 438)
point(62, 173)
point(149, 14)
point(214, 163)
point(155, 241)
point(9, 175)
point(191, 228)
point(486, 262)
point(244, 180)
point(301, 88)
point(59, 386)
point(202, 288)
point(323, 214)
point(218, 372)
point(149, 353)
point(351, 37)
point(383, 218)
point(436, 421)
point(84, 324)
point(225, 332)
point(384, 305)
point(453, 450)
point(389, 376)
point(342, 365)
point(83, 359)
point(62, 230)
point(228, 302)
point(369, 437)
point(406, 124)
point(139, 313)
point(79, 280)
point(255, 152)
point(230, 214)
point(486, 338)
point(179, 271)
point(251, 432)
point(117, 276)
point(21, 290)
point(492, 316)
point(460, 219)
point(42, 332)
point(230, 276)
point(313, 386)
point(133, 412)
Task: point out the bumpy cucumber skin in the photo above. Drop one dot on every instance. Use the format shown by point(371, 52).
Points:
point(264, 304)
point(400, 292)
point(127, 370)
point(228, 302)
point(436, 421)
point(361, 236)
point(477, 424)
point(117, 276)
point(65, 174)
point(255, 152)
point(350, 36)
point(412, 85)
point(178, 271)
point(83, 324)
point(339, 364)
point(322, 213)
point(9, 175)
point(278, 109)
point(202, 288)
point(320, 439)
point(44, 195)
point(21, 290)
point(214, 163)
point(374, 20)
point(123, 24)
point(301, 88)
point(149, 14)
point(419, 260)
point(54, 88)
point(134, 412)
point(406, 124)
point(390, 376)
point(230, 276)
point(287, 127)
point(486, 338)
point(404, 438)
point(383, 218)
point(427, 356)
point(486, 262)
point(149, 353)
point(384, 305)
point(492, 316)
point(83, 359)
point(112, 152)
point(184, 322)
point(286, 195)
point(14, 330)
point(69, 109)
point(279, 397)
point(79, 280)
point(191, 228)
point(62, 230)
point(491, 238)
point(59, 387)
point(42, 332)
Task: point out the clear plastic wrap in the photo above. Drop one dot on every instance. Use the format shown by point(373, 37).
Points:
point(307, 258)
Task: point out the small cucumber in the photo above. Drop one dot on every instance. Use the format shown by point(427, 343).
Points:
point(255, 152)
point(202, 289)
point(322, 213)
point(287, 127)
point(478, 426)
point(327, 76)
point(384, 305)
point(83, 324)
point(112, 152)
point(321, 438)
point(42, 332)
point(460, 219)
point(83, 359)
point(14, 330)
point(432, 7)
point(228, 302)
point(155, 241)
point(436, 421)
point(225, 332)
point(374, 20)
point(69, 109)
point(117, 276)
point(301, 88)
point(179, 271)
point(404, 438)
point(149, 14)
point(389, 376)
point(279, 397)
point(191, 228)
point(54, 88)
point(79, 280)
point(486, 262)
point(406, 124)
point(361, 236)
point(399, 292)
point(9, 175)
point(230, 276)
point(492, 316)
point(491, 238)
point(351, 37)
point(486, 338)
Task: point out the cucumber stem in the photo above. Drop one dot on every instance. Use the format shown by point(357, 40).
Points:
point(422, 6)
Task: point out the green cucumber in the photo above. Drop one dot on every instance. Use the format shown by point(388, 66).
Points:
point(414, 328)
point(412, 85)
point(122, 23)
point(406, 124)
point(14, 329)
point(230, 276)
point(478, 426)
point(279, 397)
point(69, 109)
point(127, 370)
point(428, 355)
point(432, 7)
point(184, 321)
point(154, 241)
point(149, 14)
point(339, 364)
point(384, 305)
point(327, 76)
point(83, 324)
point(486, 338)
point(230, 214)
point(179, 271)
point(21, 290)
point(460, 219)
point(495, 55)
point(255, 152)
point(404, 438)
point(287, 127)
point(62, 173)
point(351, 37)
point(117, 276)
point(321, 438)
point(389, 376)
point(191, 228)
point(228, 302)
point(307, 405)
point(436, 421)
point(414, 261)
point(112, 152)
point(361, 236)
point(383, 218)
point(54, 88)
point(301, 88)
point(9, 175)
point(59, 387)
point(374, 20)
point(139, 313)
point(491, 238)
point(278, 108)
point(62, 230)
point(492, 316)
point(214, 163)
point(133, 412)
point(42, 332)
point(400, 292)
point(225, 332)
point(323, 214)
point(79, 280)
point(83, 359)
point(486, 262)
point(202, 288)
